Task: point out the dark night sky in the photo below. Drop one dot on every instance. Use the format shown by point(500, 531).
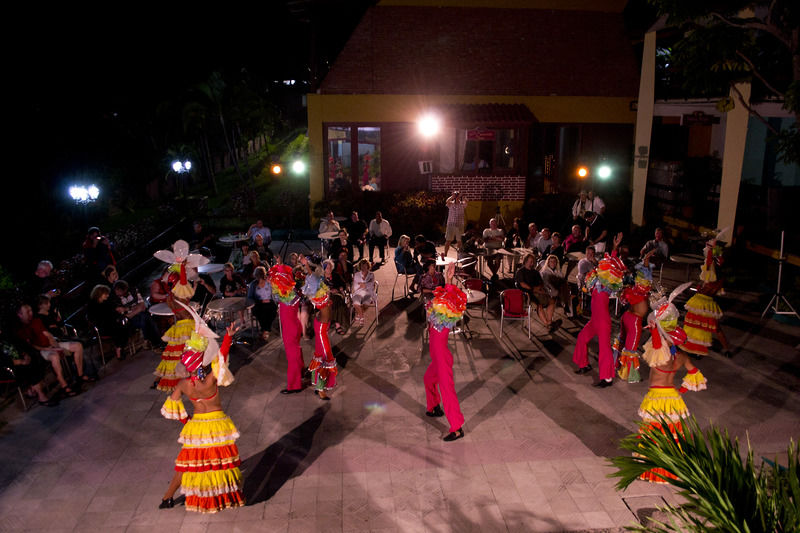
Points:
point(70, 68)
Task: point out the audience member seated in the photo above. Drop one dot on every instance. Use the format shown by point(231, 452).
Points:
point(231, 283)
point(266, 255)
point(28, 370)
point(575, 241)
point(586, 265)
point(659, 245)
point(340, 314)
point(249, 268)
point(204, 290)
point(530, 281)
point(379, 232)
point(159, 289)
point(108, 319)
point(200, 237)
point(96, 252)
point(343, 270)
point(341, 244)
point(264, 309)
point(42, 282)
point(555, 283)
point(109, 277)
point(555, 248)
point(363, 292)
point(493, 240)
point(514, 238)
point(259, 229)
point(328, 225)
point(132, 307)
point(430, 280)
point(533, 236)
point(357, 233)
point(596, 231)
point(404, 260)
point(34, 336)
point(544, 242)
point(424, 250)
point(50, 316)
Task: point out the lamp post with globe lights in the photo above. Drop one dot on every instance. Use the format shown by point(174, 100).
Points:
point(83, 196)
point(181, 169)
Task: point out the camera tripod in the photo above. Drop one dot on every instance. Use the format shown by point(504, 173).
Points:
point(285, 246)
point(774, 304)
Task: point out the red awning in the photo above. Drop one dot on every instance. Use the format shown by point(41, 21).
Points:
point(486, 115)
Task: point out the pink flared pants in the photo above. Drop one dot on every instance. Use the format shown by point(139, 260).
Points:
point(290, 333)
point(598, 326)
point(440, 372)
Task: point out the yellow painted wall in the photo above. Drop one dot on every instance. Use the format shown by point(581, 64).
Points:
point(406, 108)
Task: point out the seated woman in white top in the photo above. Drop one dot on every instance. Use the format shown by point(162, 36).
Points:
point(363, 293)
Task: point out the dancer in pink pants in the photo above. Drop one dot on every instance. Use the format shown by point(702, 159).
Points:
point(446, 309)
point(603, 281)
point(283, 289)
point(323, 365)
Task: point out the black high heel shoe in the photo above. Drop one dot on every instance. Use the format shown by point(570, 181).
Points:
point(169, 503)
point(454, 435)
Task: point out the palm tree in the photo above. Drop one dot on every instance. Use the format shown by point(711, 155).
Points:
point(722, 492)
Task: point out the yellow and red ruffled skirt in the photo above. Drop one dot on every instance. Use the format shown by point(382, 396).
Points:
point(210, 463)
point(702, 314)
point(168, 370)
point(658, 403)
point(628, 366)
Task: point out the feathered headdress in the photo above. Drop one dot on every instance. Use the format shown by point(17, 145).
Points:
point(608, 275)
point(184, 263)
point(447, 307)
point(202, 349)
point(640, 286)
point(317, 291)
point(664, 330)
point(283, 286)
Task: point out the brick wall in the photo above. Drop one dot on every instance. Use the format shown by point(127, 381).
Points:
point(485, 188)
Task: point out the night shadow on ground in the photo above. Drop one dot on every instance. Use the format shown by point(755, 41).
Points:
point(266, 472)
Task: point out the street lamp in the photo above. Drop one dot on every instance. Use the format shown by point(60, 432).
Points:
point(82, 194)
point(429, 125)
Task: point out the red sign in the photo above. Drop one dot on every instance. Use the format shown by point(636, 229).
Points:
point(480, 135)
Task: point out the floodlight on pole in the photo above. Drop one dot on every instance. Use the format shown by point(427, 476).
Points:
point(84, 195)
point(604, 172)
point(298, 167)
point(583, 172)
point(276, 169)
point(429, 125)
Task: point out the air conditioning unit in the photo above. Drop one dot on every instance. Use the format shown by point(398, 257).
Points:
point(426, 167)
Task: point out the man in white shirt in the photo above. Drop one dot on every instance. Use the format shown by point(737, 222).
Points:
point(544, 241)
point(597, 203)
point(659, 245)
point(260, 229)
point(493, 238)
point(533, 236)
point(585, 266)
point(379, 233)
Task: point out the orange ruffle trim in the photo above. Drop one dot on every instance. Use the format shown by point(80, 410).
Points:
point(214, 504)
point(207, 458)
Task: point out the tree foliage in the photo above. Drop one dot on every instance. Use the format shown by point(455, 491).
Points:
point(722, 491)
point(726, 42)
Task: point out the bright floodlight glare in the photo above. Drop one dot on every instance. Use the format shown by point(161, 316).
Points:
point(604, 172)
point(79, 194)
point(177, 166)
point(187, 165)
point(93, 191)
point(276, 169)
point(298, 167)
point(583, 172)
point(429, 125)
